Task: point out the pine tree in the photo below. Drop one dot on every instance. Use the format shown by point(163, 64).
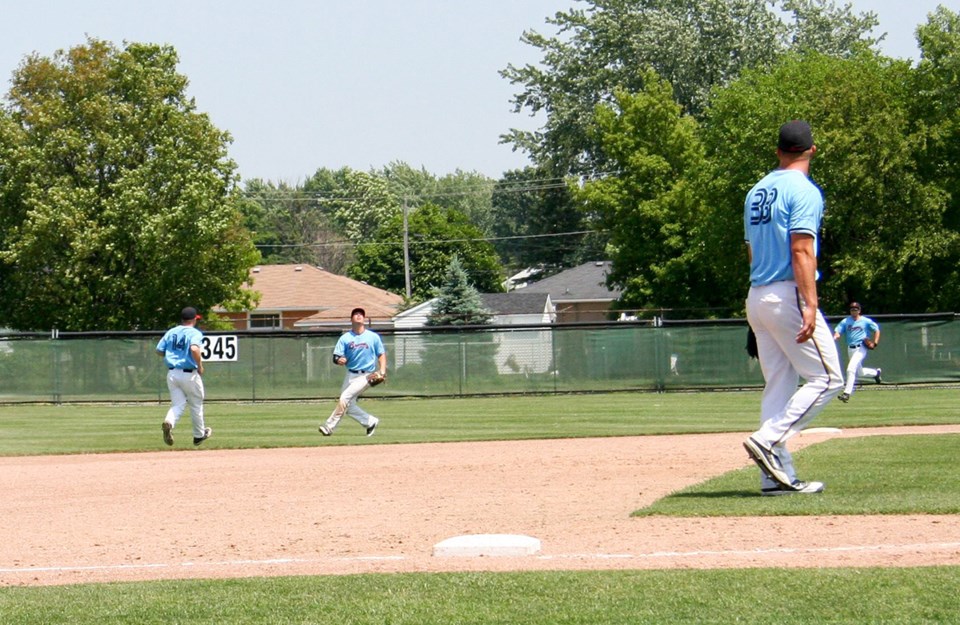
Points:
point(458, 302)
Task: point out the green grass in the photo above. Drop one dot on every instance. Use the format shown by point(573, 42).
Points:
point(916, 474)
point(86, 428)
point(895, 595)
point(894, 475)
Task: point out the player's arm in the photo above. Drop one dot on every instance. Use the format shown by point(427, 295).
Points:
point(804, 260)
point(197, 353)
point(382, 363)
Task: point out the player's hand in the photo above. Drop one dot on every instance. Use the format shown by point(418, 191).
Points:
point(808, 326)
point(341, 361)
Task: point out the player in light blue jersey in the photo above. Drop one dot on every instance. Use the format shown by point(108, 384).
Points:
point(782, 215)
point(861, 334)
point(361, 351)
point(182, 351)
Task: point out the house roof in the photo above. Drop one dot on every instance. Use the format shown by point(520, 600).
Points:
point(586, 282)
point(509, 304)
point(305, 288)
point(515, 303)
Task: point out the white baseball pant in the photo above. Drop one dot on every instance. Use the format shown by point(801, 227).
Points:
point(855, 367)
point(186, 389)
point(354, 384)
point(774, 313)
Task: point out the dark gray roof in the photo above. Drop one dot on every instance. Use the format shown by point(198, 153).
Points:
point(585, 282)
point(515, 303)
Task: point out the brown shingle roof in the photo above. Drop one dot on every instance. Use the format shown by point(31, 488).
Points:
point(306, 288)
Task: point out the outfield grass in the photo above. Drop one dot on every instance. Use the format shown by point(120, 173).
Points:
point(85, 428)
point(798, 596)
point(895, 475)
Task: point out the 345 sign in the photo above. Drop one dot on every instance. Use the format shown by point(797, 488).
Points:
point(220, 348)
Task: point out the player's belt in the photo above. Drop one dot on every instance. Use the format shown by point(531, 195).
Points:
point(855, 345)
point(184, 370)
point(357, 371)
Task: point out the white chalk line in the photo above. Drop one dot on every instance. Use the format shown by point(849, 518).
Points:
point(761, 552)
point(582, 556)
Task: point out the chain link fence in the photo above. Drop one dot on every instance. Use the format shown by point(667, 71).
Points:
point(657, 355)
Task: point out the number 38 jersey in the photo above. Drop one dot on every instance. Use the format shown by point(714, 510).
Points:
point(783, 202)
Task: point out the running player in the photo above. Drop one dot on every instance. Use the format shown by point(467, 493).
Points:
point(857, 329)
point(361, 351)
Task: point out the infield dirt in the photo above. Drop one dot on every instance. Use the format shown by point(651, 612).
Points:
point(380, 508)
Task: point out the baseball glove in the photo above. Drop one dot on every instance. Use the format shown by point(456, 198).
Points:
point(869, 344)
point(752, 350)
point(376, 378)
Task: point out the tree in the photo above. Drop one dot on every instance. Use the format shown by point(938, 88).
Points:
point(290, 226)
point(466, 192)
point(937, 112)
point(533, 218)
point(646, 202)
point(464, 356)
point(458, 302)
point(118, 202)
point(695, 45)
point(436, 234)
point(884, 233)
point(355, 202)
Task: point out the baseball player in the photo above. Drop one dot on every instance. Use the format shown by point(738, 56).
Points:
point(782, 215)
point(361, 351)
point(182, 351)
point(858, 330)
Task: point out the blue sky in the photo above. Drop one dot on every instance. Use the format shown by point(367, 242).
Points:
point(304, 84)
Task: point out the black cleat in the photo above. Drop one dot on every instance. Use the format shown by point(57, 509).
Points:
point(207, 433)
point(167, 433)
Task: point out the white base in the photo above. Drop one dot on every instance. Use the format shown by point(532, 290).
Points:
point(821, 431)
point(487, 545)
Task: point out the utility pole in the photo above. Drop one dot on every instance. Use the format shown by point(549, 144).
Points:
point(406, 250)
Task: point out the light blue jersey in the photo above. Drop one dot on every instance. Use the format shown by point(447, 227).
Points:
point(855, 331)
point(361, 350)
point(175, 346)
point(783, 202)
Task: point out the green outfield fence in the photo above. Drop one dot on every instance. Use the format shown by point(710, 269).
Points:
point(657, 355)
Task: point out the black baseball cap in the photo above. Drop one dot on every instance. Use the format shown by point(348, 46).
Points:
point(358, 310)
point(189, 313)
point(795, 136)
point(855, 305)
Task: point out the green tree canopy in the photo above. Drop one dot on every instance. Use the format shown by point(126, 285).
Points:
point(118, 202)
point(291, 226)
point(436, 234)
point(533, 215)
point(466, 192)
point(356, 202)
point(884, 231)
point(646, 202)
point(696, 45)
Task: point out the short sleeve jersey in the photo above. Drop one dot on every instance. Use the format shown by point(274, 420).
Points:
point(785, 201)
point(361, 350)
point(855, 331)
point(175, 346)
